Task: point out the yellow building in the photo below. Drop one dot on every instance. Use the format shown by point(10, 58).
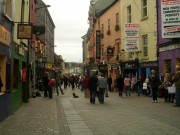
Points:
point(139, 38)
point(108, 22)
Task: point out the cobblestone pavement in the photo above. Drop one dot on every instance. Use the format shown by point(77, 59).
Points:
point(65, 115)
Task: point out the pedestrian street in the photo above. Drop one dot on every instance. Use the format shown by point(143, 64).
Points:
point(65, 115)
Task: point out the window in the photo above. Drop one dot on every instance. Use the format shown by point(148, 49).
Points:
point(109, 24)
point(144, 8)
point(117, 18)
point(98, 23)
point(102, 29)
point(8, 9)
point(129, 14)
point(145, 45)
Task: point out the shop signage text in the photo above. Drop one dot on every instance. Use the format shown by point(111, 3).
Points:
point(4, 36)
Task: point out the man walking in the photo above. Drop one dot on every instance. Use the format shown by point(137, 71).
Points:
point(154, 82)
point(102, 82)
point(92, 85)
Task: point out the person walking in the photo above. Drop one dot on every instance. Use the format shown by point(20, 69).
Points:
point(176, 79)
point(154, 82)
point(102, 83)
point(133, 82)
point(85, 85)
point(139, 86)
point(109, 82)
point(58, 84)
point(127, 84)
point(45, 83)
point(92, 85)
point(65, 82)
point(120, 84)
point(166, 83)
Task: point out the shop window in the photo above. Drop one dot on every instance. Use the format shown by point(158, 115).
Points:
point(178, 61)
point(167, 66)
point(15, 73)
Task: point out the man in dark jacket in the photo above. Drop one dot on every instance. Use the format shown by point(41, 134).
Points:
point(154, 82)
point(120, 84)
point(92, 85)
point(109, 82)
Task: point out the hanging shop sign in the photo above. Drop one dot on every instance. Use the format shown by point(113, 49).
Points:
point(4, 36)
point(98, 44)
point(114, 67)
point(110, 51)
point(38, 30)
point(103, 68)
point(131, 37)
point(24, 31)
point(170, 12)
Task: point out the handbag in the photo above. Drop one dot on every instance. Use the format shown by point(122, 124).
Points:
point(87, 93)
point(172, 89)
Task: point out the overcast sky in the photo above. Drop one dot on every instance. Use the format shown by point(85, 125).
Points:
point(71, 20)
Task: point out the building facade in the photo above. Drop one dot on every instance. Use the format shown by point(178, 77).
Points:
point(168, 36)
point(45, 60)
point(139, 37)
point(6, 44)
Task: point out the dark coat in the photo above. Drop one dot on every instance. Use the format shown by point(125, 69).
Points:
point(154, 81)
point(92, 83)
point(120, 83)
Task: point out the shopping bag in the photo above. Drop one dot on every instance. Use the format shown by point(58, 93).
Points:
point(87, 93)
point(171, 89)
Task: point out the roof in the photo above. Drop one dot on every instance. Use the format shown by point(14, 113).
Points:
point(103, 5)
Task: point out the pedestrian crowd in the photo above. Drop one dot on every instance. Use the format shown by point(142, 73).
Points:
point(167, 86)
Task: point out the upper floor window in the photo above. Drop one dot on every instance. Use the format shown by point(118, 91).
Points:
point(117, 18)
point(144, 8)
point(98, 23)
point(145, 45)
point(8, 10)
point(109, 24)
point(102, 28)
point(129, 14)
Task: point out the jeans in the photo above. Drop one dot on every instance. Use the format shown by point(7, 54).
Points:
point(154, 93)
point(92, 96)
point(139, 90)
point(127, 88)
point(120, 91)
point(101, 95)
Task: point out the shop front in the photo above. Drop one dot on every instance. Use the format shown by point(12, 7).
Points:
point(5, 83)
point(146, 67)
point(169, 57)
point(130, 68)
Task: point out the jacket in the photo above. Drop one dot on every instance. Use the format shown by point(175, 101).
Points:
point(176, 79)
